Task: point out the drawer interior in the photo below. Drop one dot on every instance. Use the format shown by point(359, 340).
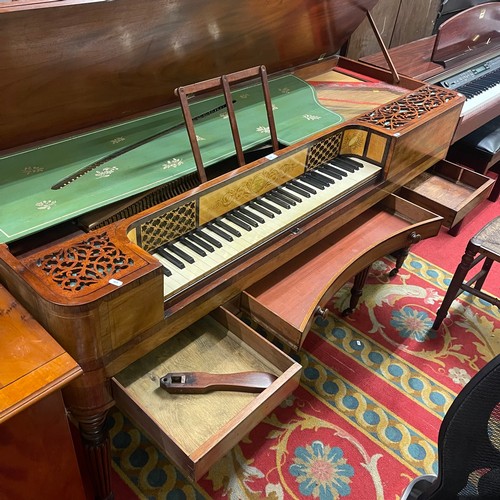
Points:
point(286, 301)
point(449, 190)
point(195, 430)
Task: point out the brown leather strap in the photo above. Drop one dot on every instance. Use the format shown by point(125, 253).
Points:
point(200, 382)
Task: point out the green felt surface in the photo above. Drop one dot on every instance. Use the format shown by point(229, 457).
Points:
point(28, 204)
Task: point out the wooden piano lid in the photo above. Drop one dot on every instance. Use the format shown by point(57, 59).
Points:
point(86, 65)
point(33, 363)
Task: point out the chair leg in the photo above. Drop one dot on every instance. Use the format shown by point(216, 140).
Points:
point(484, 270)
point(454, 289)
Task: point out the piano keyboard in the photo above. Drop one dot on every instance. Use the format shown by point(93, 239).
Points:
point(210, 247)
point(479, 84)
point(480, 91)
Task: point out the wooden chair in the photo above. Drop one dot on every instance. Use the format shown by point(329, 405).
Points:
point(484, 246)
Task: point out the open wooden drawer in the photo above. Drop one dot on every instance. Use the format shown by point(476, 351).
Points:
point(449, 190)
point(286, 301)
point(196, 430)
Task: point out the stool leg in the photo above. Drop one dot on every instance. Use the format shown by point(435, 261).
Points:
point(454, 289)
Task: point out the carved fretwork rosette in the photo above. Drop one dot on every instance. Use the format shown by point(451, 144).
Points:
point(322, 151)
point(168, 226)
point(410, 107)
point(89, 262)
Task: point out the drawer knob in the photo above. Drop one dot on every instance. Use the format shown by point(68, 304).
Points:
point(414, 237)
point(319, 311)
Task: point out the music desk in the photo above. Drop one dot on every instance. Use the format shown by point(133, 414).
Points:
point(37, 458)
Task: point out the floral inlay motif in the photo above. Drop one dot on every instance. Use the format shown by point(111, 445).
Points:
point(262, 130)
point(105, 172)
point(200, 138)
point(173, 163)
point(459, 376)
point(244, 96)
point(32, 170)
point(321, 471)
point(414, 324)
point(45, 204)
point(311, 117)
point(285, 90)
point(117, 140)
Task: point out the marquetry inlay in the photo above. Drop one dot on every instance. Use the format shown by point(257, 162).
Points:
point(168, 226)
point(86, 263)
point(409, 107)
point(323, 151)
point(241, 191)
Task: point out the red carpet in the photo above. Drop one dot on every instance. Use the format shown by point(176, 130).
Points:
point(373, 392)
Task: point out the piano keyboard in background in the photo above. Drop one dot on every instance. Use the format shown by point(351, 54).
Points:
point(210, 247)
point(479, 84)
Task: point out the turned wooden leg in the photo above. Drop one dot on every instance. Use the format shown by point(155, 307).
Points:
point(97, 451)
point(356, 290)
point(484, 273)
point(403, 253)
point(454, 289)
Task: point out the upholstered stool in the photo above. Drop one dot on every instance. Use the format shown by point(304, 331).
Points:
point(485, 245)
point(480, 151)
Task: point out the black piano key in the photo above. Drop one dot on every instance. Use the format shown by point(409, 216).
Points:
point(208, 238)
point(283, 197)
point(311, 181)
point(201, 243)
point(290, 196)
point(219, 232)
point(321, 178)
point(344, 166)
point(333, 172)
point(248, 213)
point(245, 218)
point(303, 186)
point(270, 207)
point(296, 189)
point(166, 271)
point(168, 256)
point(193, 247)
point(239, 222)
point(227, 228)
point(270, 196)
point(261, 209)
point(181, 254)
point(349, 161)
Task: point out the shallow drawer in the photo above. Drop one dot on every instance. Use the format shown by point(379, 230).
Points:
point(286, 301)
point(449, 190)
point(196, 430)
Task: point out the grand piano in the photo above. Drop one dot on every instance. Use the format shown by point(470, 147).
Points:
point(156, 253)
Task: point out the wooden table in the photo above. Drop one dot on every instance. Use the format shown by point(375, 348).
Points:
point(37, 457)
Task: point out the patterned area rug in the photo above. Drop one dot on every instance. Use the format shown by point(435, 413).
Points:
point(365, 419)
